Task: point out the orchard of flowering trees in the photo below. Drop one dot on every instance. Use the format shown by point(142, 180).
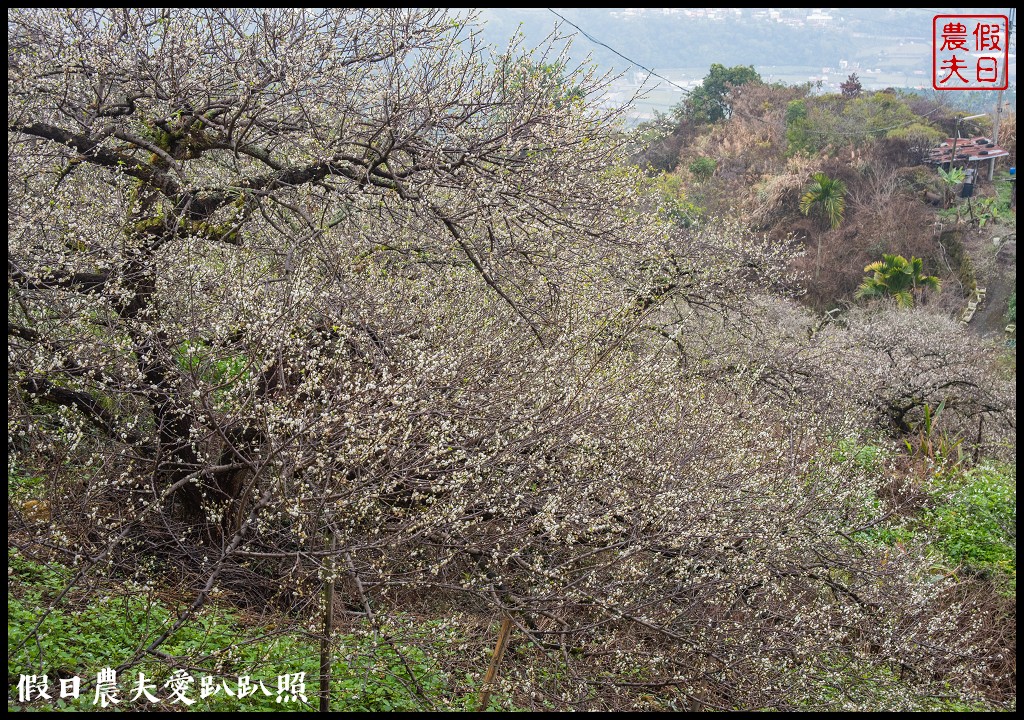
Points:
point(308, 296)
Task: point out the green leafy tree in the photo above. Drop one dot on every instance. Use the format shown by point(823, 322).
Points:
point(848, 121)
point(896, 277)
point(708, 103)
point(829, 194)
point(917, 139)
point(868, 116)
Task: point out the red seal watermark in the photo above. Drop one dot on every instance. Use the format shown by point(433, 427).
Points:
point(970, 52)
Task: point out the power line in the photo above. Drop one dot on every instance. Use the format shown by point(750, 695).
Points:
point(592, 39)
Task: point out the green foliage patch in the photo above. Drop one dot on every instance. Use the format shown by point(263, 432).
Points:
point(833, 122)
point(864, 686)
point(703, 168)
point(709, 102)
point(974, 521)
point(392, 667)
point(968, 518)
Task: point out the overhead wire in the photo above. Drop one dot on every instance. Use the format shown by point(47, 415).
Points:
point(739, 112)
point(594, 40)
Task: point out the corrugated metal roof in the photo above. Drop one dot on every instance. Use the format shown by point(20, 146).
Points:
point(970, 149)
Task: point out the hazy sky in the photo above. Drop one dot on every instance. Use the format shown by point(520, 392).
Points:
point(696, 37)
point(889, 47)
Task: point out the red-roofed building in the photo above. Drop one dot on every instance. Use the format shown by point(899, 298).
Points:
point(968, 150)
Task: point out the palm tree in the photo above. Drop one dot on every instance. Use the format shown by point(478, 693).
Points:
point(830, 194)
point(896, 277)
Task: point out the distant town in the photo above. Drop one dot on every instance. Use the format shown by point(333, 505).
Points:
point(794, 46)
point(794, 17)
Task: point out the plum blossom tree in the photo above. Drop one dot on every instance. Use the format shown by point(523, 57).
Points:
point(277, 276)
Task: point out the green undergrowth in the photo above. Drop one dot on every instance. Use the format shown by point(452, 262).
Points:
point(846, 683)
point(966, 517)
point(963, 517)
point(974, 520)
point(402, 664)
